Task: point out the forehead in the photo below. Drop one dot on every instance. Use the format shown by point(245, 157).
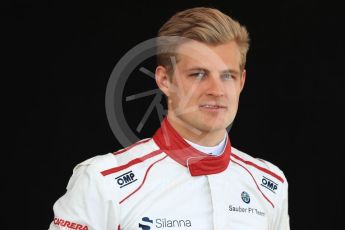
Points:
point(212, 57)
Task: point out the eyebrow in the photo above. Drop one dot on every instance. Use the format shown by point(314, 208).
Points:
point(231, 71)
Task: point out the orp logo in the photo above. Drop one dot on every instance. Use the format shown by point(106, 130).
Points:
point(125, 179)
point(269, 184)
point(147, 225)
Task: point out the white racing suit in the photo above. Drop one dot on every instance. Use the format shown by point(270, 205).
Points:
point(164, 183)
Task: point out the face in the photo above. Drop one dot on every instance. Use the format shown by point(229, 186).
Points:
point(204, 91)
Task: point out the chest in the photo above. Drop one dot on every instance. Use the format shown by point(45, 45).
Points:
point(165, 200)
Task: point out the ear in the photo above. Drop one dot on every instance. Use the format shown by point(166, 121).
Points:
point(162, 79)
point(243, 79)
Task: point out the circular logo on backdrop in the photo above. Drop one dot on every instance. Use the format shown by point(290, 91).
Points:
point(135, 107)
point(245, 197)
point(131, 66)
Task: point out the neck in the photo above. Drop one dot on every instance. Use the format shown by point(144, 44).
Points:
point(197, 136)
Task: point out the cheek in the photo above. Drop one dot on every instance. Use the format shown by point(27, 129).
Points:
point(176, 95)
point(178, 99)
point(234, 100)
point(183, 93)
point(233, 93)
point(173, 100)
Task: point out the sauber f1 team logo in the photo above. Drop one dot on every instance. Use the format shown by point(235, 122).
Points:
point(269, 184)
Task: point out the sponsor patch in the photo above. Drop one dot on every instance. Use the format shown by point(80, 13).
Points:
point(269, 184)
point(69, 224)
point(148, 223)
point(125, 179)
point(245, 197)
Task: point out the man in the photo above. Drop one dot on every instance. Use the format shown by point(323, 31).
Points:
point(187, 176)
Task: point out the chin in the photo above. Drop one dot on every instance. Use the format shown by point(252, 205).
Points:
point(216, 123)
point(210, 127)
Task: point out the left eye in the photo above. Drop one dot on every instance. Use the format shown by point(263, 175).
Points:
point(226, 76)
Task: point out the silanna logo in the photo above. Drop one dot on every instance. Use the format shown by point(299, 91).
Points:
point(125, 179)
point(164, 223)
point(269, 184)
point(147, 221)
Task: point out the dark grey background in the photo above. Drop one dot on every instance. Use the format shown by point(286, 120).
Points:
point(291, 110)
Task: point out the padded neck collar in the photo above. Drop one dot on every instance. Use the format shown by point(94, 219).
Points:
point(198, 163)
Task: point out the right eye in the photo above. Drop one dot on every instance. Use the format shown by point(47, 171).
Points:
point(199, 75)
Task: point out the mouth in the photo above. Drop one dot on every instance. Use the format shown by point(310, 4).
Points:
point(212, 107)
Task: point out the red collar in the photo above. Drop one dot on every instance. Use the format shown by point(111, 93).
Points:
point(198, 163)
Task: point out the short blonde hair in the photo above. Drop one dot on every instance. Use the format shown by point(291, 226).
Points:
point(206, 25)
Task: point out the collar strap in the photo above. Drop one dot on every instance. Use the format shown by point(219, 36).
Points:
point(198, 163)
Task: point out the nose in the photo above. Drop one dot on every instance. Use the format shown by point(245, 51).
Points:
point(214, 86)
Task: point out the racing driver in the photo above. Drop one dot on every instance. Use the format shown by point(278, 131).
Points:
point(188, 175)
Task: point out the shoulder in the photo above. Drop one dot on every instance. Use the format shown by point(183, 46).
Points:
point(100, 163)
point(111, 171)
point(259, 164)
point(140, 150)
point(269, 180)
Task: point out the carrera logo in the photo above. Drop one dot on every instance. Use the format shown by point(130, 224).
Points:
point(68, 224)
point(125, 179)
point(269, 184)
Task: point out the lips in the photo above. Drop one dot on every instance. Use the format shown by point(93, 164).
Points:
point(212, 106)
